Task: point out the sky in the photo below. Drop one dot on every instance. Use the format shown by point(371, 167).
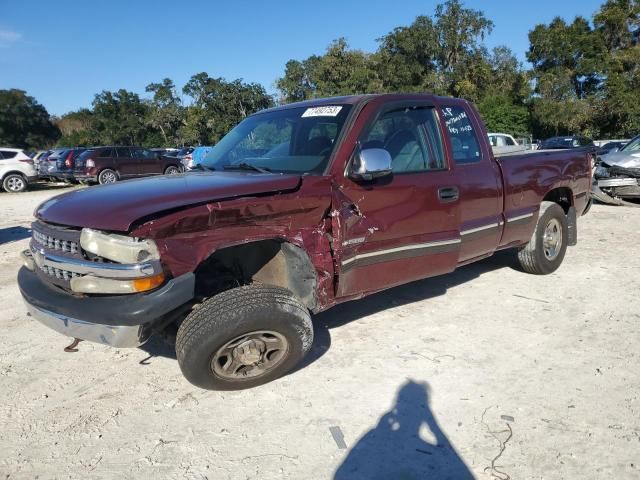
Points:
point(65, 52)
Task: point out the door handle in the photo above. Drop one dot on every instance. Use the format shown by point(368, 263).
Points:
point(448, 194)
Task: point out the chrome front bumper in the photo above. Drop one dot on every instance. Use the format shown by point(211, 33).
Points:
point(122, 336)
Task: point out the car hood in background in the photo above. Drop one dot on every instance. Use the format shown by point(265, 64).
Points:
point(622, 159)
point(117, 206)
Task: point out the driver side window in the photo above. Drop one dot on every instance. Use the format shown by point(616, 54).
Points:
point(412, 138)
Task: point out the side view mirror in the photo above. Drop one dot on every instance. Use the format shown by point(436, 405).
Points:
point(369, 164)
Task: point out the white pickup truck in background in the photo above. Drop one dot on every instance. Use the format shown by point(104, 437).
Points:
point(503, 143)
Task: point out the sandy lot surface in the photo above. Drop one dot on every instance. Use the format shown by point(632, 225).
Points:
point(487, 372)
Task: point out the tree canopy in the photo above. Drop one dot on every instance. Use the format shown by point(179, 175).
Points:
point(24, 123)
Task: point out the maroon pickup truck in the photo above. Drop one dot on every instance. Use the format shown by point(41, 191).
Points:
point(297, 209)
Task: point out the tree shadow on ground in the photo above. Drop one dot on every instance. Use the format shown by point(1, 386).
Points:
point(394, 448)
point(354, 310)
point(13, 234)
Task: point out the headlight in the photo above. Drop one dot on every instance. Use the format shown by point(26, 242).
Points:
point(119, 248)
point(93, 284)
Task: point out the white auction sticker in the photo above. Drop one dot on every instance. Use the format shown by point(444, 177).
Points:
point(328, 111)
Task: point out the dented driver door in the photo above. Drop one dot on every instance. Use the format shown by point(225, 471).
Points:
point(402, 227)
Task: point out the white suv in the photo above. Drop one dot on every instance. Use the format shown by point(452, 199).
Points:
point(16, 170)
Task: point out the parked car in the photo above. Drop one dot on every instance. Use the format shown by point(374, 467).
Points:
point(47, 164)
point(170, 152)
point(16, 170)
point(297, 209)
point(110, 164)
point(185, 157)
point(566, 143)
point(60, 165)
point(503, 143)
point(38, 156)
point(618, 173)
point(194, 158)
point(611, 147)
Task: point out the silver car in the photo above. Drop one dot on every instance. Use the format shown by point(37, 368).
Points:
point(618, 173)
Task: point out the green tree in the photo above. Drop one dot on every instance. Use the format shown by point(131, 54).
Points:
point(77, 128)
point(24, 123)
point(120, 117)
point(166, 112)
point(218, 105)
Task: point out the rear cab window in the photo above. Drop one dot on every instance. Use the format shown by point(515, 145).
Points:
point(465, 147)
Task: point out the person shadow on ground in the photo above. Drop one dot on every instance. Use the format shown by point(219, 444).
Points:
point(393, 450)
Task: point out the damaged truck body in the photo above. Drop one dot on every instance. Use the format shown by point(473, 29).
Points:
point(297, 209)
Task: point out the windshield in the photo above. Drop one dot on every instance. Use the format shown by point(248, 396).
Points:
point(296, 140)
point(632, 146)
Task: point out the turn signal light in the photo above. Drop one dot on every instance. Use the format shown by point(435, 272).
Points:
point(148, 283)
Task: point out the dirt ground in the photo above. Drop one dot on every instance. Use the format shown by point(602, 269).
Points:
point(487, 372)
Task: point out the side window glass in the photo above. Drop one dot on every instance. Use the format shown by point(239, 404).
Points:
point(464, 142)
point(509, 141)
point(412, 138)
point(106, 153)
point(7, 154)
point(123, 152)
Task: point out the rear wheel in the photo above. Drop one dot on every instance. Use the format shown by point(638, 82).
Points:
point(171, 170)
point(107, 176)
point(243, 337)
point(14, 183)
point(546, 249)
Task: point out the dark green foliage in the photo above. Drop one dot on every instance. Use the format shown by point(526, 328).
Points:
point(24, 123)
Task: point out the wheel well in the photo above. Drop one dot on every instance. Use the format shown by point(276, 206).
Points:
point(563, 196)
point(272, 262)
point(13, 172)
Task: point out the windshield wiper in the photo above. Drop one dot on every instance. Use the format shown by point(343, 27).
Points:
point(247, 166)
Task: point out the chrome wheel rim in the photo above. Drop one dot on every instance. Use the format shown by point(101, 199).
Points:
point(250, 355)
point(15, 184)
point(552, 239)
point(108, 177)
point(172, 171)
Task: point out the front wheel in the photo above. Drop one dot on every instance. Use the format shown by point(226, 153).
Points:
point(107, 176)
point(14, 183)
point(546, 249)
point(243, 337)
point(171, 170)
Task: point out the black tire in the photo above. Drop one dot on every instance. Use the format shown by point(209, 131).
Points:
point(172, 170)
point(240, 313)
point(107, 176)
point(535, 257)
point(14, 183)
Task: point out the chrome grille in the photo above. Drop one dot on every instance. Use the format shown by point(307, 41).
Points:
point(59, 274)
point(66, 246)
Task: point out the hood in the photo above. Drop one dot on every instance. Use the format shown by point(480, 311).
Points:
point(117, 206)
point(622, 159)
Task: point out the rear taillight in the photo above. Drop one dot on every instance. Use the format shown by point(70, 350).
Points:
point(69, 160)
point(27, 160)
point(90, 163)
